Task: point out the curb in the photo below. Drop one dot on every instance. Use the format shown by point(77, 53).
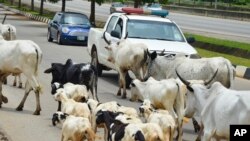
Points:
point(31, 16)
point(241, 71)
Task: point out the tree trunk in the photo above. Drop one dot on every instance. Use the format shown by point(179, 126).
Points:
point(92, 13)
point(19, 3)
point(137, 3)
point(32, 5)
point(11, 2)
point(63, 5)
point(41, 7)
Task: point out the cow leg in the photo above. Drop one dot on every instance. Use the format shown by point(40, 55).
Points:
point(5, 80)
point(20, 81)
point(200, 133)
point(120, 84)
point(14, 82)
point(27, 91)
point(123, 84)
point(59, 106)
point(2, 97)
point(196, 125)
point(38, 106)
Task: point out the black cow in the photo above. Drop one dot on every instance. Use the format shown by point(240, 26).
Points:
point(83, 73)
point(116, 129)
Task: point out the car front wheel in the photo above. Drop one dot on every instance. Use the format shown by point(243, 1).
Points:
point(50, 39)
point(94, 62)
point(59, 40)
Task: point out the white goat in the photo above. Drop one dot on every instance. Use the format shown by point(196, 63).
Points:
point(161, 117)
point(72, 107)
point(77, 129)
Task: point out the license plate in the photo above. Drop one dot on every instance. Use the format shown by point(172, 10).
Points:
point(80, 38)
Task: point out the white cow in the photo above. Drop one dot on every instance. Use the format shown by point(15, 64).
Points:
point(21, 56)
point(127, 56)
point(219, 108)
point(165, 94)
point(8, 32)
point(162, 67)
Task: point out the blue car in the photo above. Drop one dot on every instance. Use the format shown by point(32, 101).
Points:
point(69, 28)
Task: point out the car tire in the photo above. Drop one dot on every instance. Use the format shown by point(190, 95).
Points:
point(59, 40)
point(94, 62)
point(50, 39)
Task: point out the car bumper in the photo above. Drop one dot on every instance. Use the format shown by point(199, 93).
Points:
point(75, 40)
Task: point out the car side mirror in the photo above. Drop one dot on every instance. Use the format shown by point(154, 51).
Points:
point(115, 34)
point(190, 40)
point(55, 22)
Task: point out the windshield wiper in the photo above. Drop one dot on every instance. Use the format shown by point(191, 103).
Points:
point(163, 39)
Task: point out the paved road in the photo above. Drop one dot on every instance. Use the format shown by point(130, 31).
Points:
point(213, 27)
point(23, 126)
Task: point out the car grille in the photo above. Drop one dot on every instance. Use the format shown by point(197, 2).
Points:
point(78, 33)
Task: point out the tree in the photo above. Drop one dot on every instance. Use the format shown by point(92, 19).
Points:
point(32, 5)
point(63, 4)
point(92, 10)
point(41, 7)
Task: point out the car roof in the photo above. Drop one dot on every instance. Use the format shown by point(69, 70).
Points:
point(144, 17)
point(67, 12)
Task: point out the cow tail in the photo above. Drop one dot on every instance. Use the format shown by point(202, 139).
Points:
point(38, 60)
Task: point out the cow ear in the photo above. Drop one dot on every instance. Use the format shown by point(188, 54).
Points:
point(49, 70)
point(153, 55)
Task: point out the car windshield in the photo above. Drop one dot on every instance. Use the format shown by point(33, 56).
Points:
point(117, 5)
point(76, 19)
point(154, 30)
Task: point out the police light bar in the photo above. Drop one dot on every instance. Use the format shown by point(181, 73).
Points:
point(131, 10)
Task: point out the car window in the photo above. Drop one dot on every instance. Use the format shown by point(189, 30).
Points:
point(111, 24)
point(119, 26)
point(77, 19)
point(154, 30)
point(57, 17)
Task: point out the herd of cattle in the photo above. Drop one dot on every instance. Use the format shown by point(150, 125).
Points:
point(170, 88)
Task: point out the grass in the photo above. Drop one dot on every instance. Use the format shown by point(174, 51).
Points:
point(221, 42)
point(202, 52)
point(233, 59)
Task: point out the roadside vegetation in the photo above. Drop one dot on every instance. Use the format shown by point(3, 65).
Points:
point(202, 52)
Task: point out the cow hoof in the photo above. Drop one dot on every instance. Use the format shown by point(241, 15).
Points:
point(20, 86)
point(14, 84)
point(19, 108)
point(118, 94)
point(124, 97)
point(36, 113)
point(5, 99)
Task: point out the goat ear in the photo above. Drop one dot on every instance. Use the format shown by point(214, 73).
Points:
point(132, 84)
point(49, 70)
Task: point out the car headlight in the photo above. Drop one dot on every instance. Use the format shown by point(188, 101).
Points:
point(65, 30)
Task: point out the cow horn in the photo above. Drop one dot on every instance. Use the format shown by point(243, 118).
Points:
point(207, 82)
point(183, 80)
point(105, 39)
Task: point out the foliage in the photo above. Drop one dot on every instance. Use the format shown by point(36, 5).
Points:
point(53, 1)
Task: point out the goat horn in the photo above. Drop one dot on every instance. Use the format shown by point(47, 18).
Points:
point(207, 82)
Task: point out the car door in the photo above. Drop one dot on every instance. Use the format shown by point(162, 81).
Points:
point(55, 25)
